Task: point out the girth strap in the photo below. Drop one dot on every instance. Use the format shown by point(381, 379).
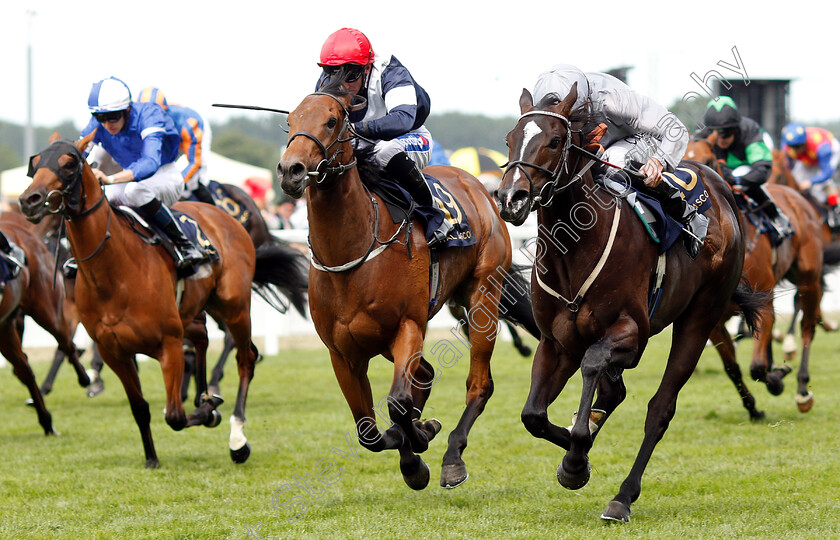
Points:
point(574, 305)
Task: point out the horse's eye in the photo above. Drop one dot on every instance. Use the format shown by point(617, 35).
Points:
point(555, 142)
point(332, 122)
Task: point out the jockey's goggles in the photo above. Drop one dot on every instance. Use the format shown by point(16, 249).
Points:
point(352, 72)
point(105, 117)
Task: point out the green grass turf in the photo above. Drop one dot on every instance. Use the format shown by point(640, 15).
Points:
point(714, 475)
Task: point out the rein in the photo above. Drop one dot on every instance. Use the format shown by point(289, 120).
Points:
point(340, 170)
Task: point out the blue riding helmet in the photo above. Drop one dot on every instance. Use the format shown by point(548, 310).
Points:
point(109, 95)
point(794, 134)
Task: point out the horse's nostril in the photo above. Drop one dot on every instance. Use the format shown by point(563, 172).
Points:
point(297, 170)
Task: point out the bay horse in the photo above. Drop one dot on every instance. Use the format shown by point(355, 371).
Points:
point(380, 304)
point(592, 297)
point(32, 293)
point(129, 298)
point(797, 259)
point(782, 174)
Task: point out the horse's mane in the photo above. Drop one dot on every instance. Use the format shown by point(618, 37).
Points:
point(334, 84)
point(583, 118)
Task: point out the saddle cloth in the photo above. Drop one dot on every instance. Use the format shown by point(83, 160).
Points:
point(191, 230)
point(662, 228)
point(759, 219)
point(401, 207)
point(224, 201)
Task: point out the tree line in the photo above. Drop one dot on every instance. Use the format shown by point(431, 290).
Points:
point(260, 141)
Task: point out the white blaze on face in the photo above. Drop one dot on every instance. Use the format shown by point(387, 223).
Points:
point(237, 433)
point(530, 131)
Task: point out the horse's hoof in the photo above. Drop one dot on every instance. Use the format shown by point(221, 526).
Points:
point(525, 350)
point(214, 420)
point(777, 335)
point(241, 455)
point(29, 402)
point(804, 403)
point(452, 476)
point(51, 432)
point(616, 512)
point(96, 387)
point(573, 481)
point(152, 463)
point(830, 326)
point(756, 416)
point(214, 391)
point(430, 427)
point(415, 473)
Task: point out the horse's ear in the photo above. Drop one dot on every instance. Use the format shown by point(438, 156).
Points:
point(357, 103)
point(569, 101)
point(54, 137)
point(526, 101)
point(593, 138)
point(82, 143)
point(712, 138)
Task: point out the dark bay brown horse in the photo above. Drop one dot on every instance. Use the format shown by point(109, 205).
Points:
point(32, 293)
point(591, 287)
point(797, 259)
point(378, 302)
point(127, 294)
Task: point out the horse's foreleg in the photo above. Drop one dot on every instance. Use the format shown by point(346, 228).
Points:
point(726, 349)
point(10, 347)
point(172, 369)
point(407, 352)
point(618, 348)
point(551, 370)
point(353, 381)
point(45, 314)
point(126, 371)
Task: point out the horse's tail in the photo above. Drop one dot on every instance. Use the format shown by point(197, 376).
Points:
point(751, 303)
point(515, 304)
point(281, 271)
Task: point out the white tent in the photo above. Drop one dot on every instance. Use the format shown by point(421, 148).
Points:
point(222, 169)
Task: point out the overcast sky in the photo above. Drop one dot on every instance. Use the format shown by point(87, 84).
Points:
point(473, 57)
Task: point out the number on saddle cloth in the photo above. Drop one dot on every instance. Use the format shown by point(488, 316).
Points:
point(226, 202)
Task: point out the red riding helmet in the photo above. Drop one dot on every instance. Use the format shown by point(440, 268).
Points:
point(346, 46)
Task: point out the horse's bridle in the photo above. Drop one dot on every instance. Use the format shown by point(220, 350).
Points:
point(552, 187)
point(328, 170)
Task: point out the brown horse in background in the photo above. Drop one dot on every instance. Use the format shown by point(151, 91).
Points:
point(592, 297)
point(781, 174)
point(32, 293)
point(798, 259)
point(129, 298)
point(364, 305)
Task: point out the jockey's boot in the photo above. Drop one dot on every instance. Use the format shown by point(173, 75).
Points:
point(403, 168)
point(187, 252)
point(695, 225)
point(5, 246)
point(778, 220)
point(10, 259)
point(203, 194)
